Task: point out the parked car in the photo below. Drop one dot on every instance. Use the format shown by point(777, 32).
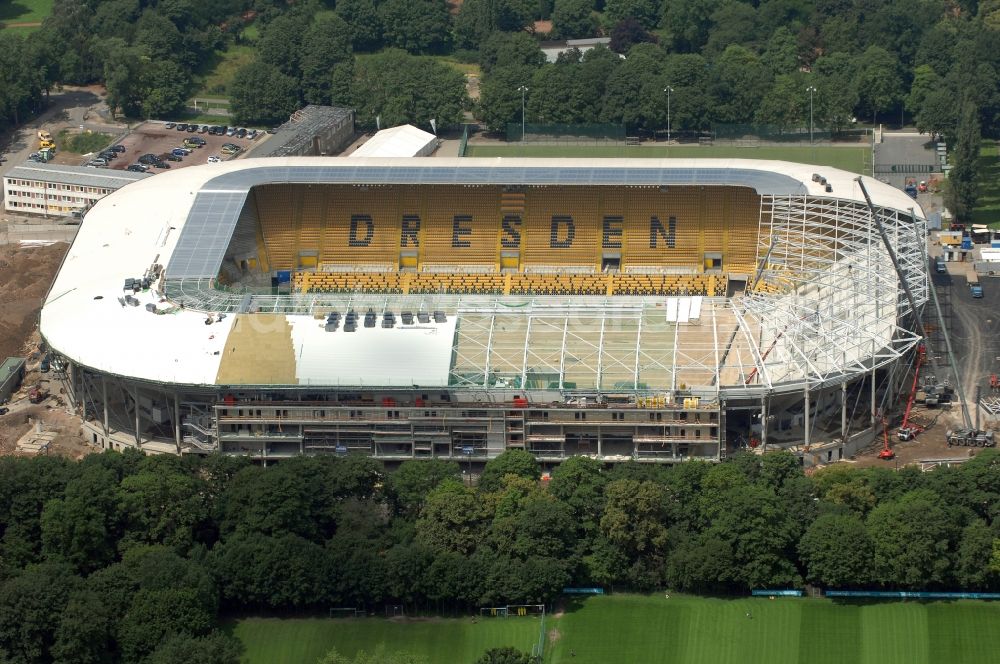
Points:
point(98, 161)
point(252, 134)
point(117, 148)
point(242, 133)
point(192, 128)
point(169, 125)
point(109, 155)
point(180, 152)
point(231, 131)
point(4, 410)
point(161, 164)
point(214, 159)
point(172, 157)
point(136, 168)
point(202, 129)
point(182, 126)
point(148, 158)
point(197, 139)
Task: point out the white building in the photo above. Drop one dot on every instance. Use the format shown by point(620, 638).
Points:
point(401, 141)
point(57, 190)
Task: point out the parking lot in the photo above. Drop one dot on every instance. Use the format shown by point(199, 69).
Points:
point(155, 138)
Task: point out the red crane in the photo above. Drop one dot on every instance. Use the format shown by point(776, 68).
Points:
point(907, 431)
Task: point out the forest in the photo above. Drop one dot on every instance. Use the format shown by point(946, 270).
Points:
point(126, 558)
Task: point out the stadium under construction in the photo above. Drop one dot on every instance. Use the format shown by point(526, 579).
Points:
point(649, 310)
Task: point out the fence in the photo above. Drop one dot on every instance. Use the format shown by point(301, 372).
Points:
point(463, 144)
point(577, 134)
point(907, 594)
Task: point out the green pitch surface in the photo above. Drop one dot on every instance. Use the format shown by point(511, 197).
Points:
point(689, 630)
point(851, 158)
point(24, 11)
point(439, 640)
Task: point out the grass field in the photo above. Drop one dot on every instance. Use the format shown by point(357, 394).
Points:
point(24, 11)
point(218, 71)
point(848, 158)
point(689, 630)
point(653, 629)
point(988, 205)
point(440, 641)
point(82, 143)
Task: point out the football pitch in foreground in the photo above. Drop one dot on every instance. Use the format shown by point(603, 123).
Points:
point(678, 629)
point(849, 158)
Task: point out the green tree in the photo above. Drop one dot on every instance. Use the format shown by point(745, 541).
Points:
point(363, 18)
point(401, 88)
point(687, 24)
point(413, 480)
point(31, 608)
point(505, 655)
point(739, 84)
point(634, 521)
point(81, 528)
point(972, 569)
point(280, 43)
point(837, 551)
point(627, 33)
point(510, 49)
point(452, 519)
point(261, 94)
point(327, 62)
point(214, 648)
point(634, 92)
point(925, 81)
point(85, 634)
point(162, 504)
point(646, 12)
point(155, 615)
point(573, 19)
point(499, 97)
point(781, 54)
point(511, 462)
point(578, 483)
point(418, 26)
point(478, 19)
point(961, 190)
point(164, 87)
point(912, 538)
point(281, 572)
point(786, 106)
point(879, 82)
point(836, 94)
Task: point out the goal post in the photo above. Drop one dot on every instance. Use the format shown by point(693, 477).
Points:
point(512, 610)
point(493, 611)
point(346, 612)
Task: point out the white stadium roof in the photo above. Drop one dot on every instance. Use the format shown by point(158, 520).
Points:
point(184, 219)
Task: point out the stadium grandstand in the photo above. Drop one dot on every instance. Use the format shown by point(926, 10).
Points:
point(650, 310)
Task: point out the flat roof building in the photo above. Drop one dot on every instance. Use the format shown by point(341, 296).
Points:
point(11, 375)
point(313, 131)
point(62, 191)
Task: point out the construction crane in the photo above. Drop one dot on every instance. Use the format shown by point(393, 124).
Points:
point(908, 431)
point(886, 452)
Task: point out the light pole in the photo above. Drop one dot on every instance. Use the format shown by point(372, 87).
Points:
point(668, 90)
point(522, 89)
point(811, 90)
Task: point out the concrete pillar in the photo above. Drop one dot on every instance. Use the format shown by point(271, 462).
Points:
point(135, 400)
point(104, 399)
point(177, 422)
point(805, 438)
point(843, 413)
point(763, 423)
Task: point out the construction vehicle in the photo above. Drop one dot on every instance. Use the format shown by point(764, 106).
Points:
point(37, 394)
point(45, 140)
point(975, 288)
point(966, 437)
point(886, 451)
point(909, 431)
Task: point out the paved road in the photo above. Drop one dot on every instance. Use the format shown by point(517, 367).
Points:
point(975, 329)
point(73, 107)
point(904, 148)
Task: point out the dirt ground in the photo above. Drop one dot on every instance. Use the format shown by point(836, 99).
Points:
point(155, 138)
point(25, 275)
point(931, 444)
